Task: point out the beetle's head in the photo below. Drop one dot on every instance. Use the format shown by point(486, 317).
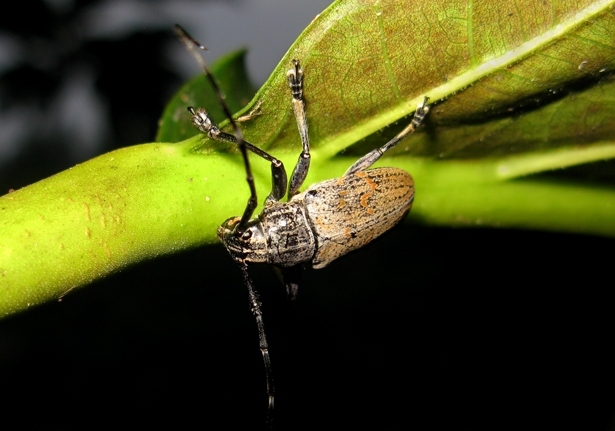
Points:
point(249, 245)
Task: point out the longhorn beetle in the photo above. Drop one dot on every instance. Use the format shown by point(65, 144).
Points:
point(326, 221)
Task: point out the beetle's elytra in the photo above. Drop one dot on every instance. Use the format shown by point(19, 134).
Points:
point(326, 221)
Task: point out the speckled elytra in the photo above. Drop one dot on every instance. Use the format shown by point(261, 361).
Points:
point(326, 221)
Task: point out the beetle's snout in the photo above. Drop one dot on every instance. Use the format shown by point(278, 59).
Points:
point(249, 246)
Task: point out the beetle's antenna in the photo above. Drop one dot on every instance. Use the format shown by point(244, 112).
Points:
point(204, 124)
point(195, 47)
point(255, 307)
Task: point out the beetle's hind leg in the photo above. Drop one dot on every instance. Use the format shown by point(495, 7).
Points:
point(370, 158)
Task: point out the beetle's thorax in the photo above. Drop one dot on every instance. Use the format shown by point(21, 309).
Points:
point(290, 237)
point(281, 235)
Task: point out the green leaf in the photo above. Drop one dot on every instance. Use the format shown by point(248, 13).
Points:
point(516, 92)
point(490, 64)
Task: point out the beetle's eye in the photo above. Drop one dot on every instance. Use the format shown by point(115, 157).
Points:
point(246, 235)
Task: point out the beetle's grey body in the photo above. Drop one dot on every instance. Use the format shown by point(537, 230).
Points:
point(326, 221)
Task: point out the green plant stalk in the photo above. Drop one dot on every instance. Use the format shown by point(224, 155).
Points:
point(153, 199)
point(100, 216)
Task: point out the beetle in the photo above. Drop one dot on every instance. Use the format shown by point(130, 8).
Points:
point(326, 221)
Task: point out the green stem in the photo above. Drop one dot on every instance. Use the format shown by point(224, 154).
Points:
point(148, 200)
point(100, 216)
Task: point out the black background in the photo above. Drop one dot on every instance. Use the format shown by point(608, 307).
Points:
point(424, 329)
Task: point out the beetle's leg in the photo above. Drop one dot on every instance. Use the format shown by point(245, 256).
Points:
point(254, 112)
point(370, 158)
point(290, 277)
point(295, 82)
point(200, 119)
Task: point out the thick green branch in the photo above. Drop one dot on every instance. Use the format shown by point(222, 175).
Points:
point(144, 201)
point(98, 217)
